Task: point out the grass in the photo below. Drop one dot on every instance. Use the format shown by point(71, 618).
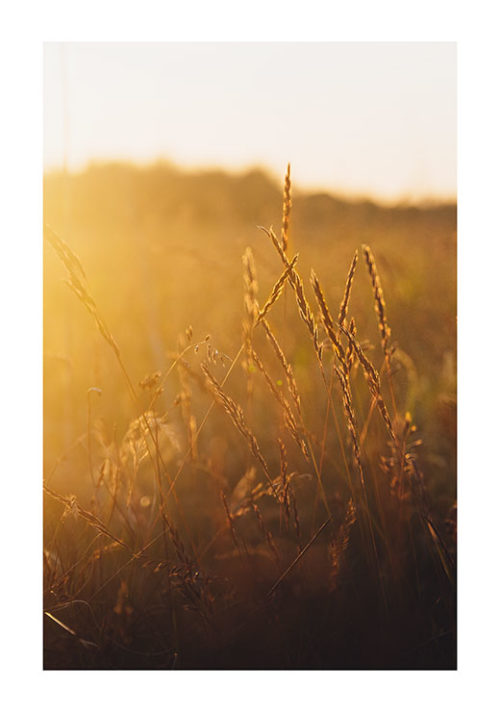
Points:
point(260, 496)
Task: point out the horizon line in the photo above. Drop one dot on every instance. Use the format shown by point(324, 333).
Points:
point(304, 188)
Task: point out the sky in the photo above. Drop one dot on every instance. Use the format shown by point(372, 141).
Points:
point(371, 120)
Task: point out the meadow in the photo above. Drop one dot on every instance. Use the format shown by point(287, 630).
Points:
point(249, 425)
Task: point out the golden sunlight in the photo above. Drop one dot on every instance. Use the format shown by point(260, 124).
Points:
point(249, 356)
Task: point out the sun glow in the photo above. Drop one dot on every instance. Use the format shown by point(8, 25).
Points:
point(375, 119)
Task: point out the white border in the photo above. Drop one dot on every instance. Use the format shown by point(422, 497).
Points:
point(24, 27)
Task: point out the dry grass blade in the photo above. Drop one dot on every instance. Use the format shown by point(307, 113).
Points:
point(305, 310)
point(303, 442)
point(298, 288)
point(446, 562)
point(251, 314)
point(284, 482)
point(290, 378)
point(287, 205)
point(203, 385)
point(287, 411)
point(350, 353)
point(185, 398)
point(178, 545)
point(373, 380)
point(251, 288)
point(229, 520)
point(266, 533)
point(72, 506)
point(236, 414)
point(338, 546)
point(351, 420)
point(78, 284)
point(378, 294)
point(327, 318)
point(72, 262)
point(86, 643)
point(277, 289)
point(299, 556)
point(347, 291)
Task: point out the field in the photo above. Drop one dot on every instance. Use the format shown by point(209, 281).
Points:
point(249, 425)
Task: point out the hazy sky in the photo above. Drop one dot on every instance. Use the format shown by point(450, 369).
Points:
point(376, 119)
